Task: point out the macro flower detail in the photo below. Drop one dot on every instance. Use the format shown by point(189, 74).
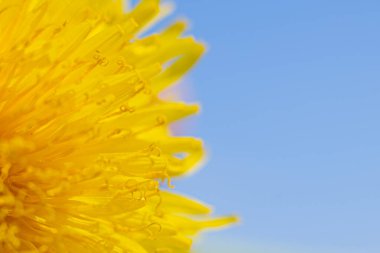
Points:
point(85, 143)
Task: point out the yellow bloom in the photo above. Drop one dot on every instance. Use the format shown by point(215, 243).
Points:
point(84, 137)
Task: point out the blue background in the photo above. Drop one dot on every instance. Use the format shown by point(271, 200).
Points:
point(290, 94)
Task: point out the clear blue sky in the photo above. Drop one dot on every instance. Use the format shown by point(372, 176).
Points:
point(291, 99)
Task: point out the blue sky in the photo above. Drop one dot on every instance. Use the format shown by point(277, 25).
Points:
point(290, 94)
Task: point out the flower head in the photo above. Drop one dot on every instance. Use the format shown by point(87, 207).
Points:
point(84, 137)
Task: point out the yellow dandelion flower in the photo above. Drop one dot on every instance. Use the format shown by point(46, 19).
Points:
point(84, 140)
